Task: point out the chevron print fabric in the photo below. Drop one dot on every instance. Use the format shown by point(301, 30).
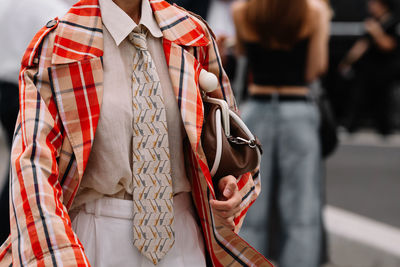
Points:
point(152, 194)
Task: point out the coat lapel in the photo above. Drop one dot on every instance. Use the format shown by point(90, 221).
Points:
point(77, 75)
point(180, 34)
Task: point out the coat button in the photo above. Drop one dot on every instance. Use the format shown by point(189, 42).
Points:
point(51, 23)
point(208, 81)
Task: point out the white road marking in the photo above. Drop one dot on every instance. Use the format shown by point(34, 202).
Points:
point(363, 230)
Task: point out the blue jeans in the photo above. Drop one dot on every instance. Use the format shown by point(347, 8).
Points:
point(290, 182)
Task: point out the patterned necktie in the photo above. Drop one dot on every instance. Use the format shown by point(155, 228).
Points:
point(152, 184)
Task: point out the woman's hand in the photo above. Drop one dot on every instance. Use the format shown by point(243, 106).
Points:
point(373, 27)
point(227, 206)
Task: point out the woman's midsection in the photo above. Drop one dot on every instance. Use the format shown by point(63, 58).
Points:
point(255, 89)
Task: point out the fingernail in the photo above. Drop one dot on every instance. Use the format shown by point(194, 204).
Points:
point(227, 192)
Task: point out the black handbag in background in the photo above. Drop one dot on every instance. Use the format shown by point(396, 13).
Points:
point(328, 127)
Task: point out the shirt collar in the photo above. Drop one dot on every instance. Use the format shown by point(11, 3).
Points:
point(119, 24)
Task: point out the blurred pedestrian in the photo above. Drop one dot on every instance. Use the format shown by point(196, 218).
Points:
point(199, 7)
point(221, 22)
point(107, 164)
point(19, 20)
point(286, 43)
point(374, 61)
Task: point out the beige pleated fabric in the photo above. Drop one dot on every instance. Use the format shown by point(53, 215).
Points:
point(152, 182)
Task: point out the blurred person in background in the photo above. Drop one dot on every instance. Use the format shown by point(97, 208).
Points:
point(374, 61)
point(286, 43)
point(220, 18)
point(221, 22)
point(199, 7)
point(19, 20)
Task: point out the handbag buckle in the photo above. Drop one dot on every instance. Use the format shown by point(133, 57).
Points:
point(242, 141)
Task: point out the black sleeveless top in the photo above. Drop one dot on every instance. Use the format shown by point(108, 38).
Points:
point(278, 67)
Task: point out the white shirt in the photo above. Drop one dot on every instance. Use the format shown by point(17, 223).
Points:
point(109, 168)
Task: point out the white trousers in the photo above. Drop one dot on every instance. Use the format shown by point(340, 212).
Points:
point(105, 228)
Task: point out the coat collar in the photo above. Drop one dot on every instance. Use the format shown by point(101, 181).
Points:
point(177, 26)
point(79, 35)
point(120, 25)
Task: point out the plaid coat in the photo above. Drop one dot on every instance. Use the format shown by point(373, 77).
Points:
point(61, 85)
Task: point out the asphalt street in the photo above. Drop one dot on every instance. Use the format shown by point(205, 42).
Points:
point(363, 177)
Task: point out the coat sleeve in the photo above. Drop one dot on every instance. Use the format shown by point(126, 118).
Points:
point(41, 233)
point(249, 184)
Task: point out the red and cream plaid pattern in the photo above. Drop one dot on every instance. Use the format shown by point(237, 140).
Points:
point(61, 88)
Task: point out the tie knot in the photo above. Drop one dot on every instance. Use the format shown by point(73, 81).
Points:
point(138, 38)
